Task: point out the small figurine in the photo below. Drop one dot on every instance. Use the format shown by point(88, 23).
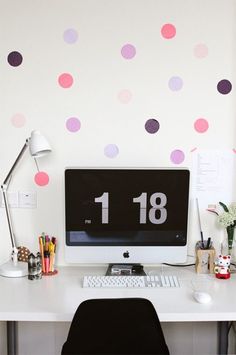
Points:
point(23, 254)
point(222, 268)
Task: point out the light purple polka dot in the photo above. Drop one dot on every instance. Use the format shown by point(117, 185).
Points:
point(73, 124)
point(70, 36)
point(175, 83)
point(111, 150)
point(177, 156)
point(152, 126)
point(128, 51)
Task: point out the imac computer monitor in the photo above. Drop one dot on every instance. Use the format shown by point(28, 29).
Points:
point(125, 215)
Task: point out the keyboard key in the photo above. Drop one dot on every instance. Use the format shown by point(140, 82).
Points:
point(176, 281)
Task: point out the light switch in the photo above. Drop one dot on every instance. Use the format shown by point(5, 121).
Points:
point(12, 198)
point(27, 199)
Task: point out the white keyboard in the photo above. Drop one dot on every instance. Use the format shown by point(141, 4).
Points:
point(154, 281)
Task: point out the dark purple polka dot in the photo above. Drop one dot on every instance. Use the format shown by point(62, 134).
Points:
point(14, 59)
point(152, 126)
point(224, 86)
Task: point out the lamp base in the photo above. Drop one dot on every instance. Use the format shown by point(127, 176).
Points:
point(9, 269)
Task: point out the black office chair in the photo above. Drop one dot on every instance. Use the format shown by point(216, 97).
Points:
point(115, 326)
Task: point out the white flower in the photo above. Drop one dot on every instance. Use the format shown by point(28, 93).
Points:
point(226, 219)
point(232, 210)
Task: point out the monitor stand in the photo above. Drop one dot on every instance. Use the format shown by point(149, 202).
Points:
point(125, 269)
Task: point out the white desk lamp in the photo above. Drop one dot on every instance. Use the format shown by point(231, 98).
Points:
point(38, 147)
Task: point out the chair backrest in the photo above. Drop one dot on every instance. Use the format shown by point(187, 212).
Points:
point(115, 326)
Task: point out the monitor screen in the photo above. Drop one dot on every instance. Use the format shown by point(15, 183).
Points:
point(126, 214)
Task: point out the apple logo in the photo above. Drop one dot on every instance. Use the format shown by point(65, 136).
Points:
point(126, 254)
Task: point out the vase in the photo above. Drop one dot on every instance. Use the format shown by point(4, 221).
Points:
point(230, 238)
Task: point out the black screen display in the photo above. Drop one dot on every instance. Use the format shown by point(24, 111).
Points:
point(126, 206)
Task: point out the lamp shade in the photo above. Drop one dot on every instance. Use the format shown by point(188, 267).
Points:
point(38, 145)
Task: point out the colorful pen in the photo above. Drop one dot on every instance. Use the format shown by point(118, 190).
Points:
point(46, 261)
point(42, 252)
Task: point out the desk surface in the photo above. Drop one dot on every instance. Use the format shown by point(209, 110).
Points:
point(56, 298)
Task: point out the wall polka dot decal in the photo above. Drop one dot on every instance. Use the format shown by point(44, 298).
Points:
point(168, 31)
point(152, 126)
point(73, 124)
point(224, 86)
point(70, 36)
point(18, 120)
point(175, 83)
point(65, 80)
point(14, 59)
point(111, 150)
point(200, 51)
point(128, 51)
point(177, 156)
point(41, 178)
point(201, 125)
point(125, 96)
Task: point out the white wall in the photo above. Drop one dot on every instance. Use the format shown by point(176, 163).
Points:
point(113, 97)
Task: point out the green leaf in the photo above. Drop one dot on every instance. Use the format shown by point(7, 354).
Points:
point(224, 206)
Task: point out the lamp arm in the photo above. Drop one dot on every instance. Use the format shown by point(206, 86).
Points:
point(6, 204)
point(4, 188)
point(9, 175)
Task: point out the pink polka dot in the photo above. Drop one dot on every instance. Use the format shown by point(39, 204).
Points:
point(168, 31)
point(177, 156)
point(200, 51)
point(125, 96)
point(65, 80)
point(18, 120)
point(201, 125)
point(41, 178)
point(128, 51)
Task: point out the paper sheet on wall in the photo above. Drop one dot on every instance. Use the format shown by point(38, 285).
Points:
point(213, 176)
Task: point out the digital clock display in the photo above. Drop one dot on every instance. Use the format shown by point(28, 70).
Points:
point(119, 204)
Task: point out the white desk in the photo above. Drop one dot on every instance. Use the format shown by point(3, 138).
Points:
point(56, 299)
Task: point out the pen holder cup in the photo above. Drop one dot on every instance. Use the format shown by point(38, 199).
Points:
point(205, 244)
point(205, 260)
point(50, 273)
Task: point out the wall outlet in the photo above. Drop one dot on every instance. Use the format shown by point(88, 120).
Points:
point(27, 199)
